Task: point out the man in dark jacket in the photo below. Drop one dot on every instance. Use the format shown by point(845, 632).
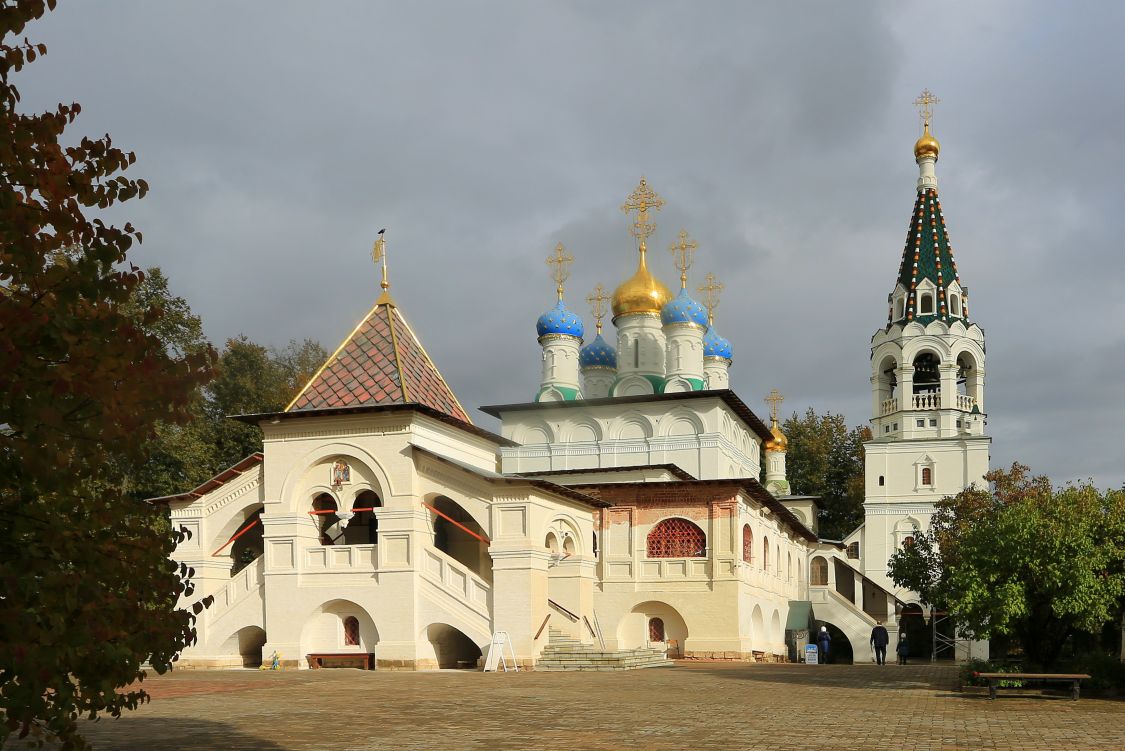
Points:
point(879, 640)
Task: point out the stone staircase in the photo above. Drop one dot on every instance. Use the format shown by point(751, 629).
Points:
point(565, 653)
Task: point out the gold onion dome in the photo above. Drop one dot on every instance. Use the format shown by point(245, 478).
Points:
point(642, 293)
point(927, 145)
point(779, 442)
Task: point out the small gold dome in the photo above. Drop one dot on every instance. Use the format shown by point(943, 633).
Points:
point(642, 293)
point(779, 442)
point(927, 145)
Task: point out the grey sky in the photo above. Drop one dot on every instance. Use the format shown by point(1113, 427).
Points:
point(278, 137)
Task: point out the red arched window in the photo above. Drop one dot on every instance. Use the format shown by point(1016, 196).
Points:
point(351, 631)
point(927, 476)
point(655, 629)
point(765, 553)
point(747, 543)
point(676, 538)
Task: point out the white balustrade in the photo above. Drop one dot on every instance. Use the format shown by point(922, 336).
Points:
point(965, 402)
point(927, 400)
point(245, 581)
point(457, 580)
point(889, 406)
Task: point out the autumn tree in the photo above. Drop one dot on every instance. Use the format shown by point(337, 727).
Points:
point(87, 591)
point(825, 458)
point(1023, 558)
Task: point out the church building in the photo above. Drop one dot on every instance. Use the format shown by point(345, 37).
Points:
point(620, 517)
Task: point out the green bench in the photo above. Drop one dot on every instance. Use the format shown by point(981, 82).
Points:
point(996, 679)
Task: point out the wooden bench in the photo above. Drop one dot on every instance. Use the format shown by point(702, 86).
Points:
point(995, 679)
point(363, 660)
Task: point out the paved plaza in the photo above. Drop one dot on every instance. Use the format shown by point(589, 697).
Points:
point(689, 706)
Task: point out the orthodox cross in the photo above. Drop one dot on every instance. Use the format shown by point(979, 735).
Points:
point(682, 253)
point(597, 300)
point(379, 254)
point(774, 399)
point(925, 104)
point(641, 200)
point(560, 262)
point(711, 292)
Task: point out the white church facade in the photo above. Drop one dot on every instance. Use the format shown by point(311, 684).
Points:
point(620, 517)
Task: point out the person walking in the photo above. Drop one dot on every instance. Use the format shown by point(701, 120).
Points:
point(903, 648)
point(879, 640)
point(823, 639)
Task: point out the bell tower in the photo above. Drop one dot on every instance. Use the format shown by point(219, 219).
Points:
point(927, 382)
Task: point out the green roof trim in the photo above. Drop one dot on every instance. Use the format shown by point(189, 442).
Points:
point(569, 394)
point(928, 256)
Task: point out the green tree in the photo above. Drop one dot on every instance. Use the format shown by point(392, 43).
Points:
point(825, 458)
point(88, 590)
point(1025, 559)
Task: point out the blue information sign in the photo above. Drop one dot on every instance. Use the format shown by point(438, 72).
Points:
point(811, 653)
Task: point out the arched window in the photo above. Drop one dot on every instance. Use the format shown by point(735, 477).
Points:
point(676, 538)
point(818, 572)
point(900, 308)
point(568, 545)
point(656, 629)
point(324, 507)
point(789, 566)
point(551, 543)
point(777, 559)
point(351, 631)
point(765, 554)
point(927, 476)
point(595, 544)
point(955, 305)
point(908, 541)
point(927, 305)
point(853, 551)
point(747, 543)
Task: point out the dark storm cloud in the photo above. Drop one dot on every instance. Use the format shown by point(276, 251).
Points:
point(279, 137)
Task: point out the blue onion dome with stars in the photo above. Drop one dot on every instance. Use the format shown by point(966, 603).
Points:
point(716, 346)
point(598, 354)
point(683, 309)
point(559, 320)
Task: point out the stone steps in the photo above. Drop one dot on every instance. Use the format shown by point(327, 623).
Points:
point(564, 653)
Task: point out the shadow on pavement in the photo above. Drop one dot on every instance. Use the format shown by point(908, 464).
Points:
point(131, 733)
point(837, 676)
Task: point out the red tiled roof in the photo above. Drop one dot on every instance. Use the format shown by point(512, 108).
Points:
point(381, 362)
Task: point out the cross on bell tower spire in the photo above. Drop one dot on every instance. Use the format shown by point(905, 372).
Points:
point(682, 253)
point(597, 300)
point(560, 262)
point(711, 292)
point(641, 200)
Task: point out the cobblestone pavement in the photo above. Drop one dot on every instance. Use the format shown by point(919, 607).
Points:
point(690, 706)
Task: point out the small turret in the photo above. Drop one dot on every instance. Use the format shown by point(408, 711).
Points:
point(560, 335)
point(776, 448)
point(684, 323)
point(598, 359)
point(717, 351)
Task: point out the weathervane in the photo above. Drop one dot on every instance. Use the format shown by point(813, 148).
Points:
point(711, 292)
point(925, 104)
point(379, 255)
point(682, 253)
point(641, 200)
point(597, 300)
point(560, 262)
point(774, 399)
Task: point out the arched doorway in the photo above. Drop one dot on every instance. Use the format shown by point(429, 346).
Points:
point(452, 648)
point(458, 535)
point(912, 622)
point(840, 650)
point(249, 642)
point(818, 571)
